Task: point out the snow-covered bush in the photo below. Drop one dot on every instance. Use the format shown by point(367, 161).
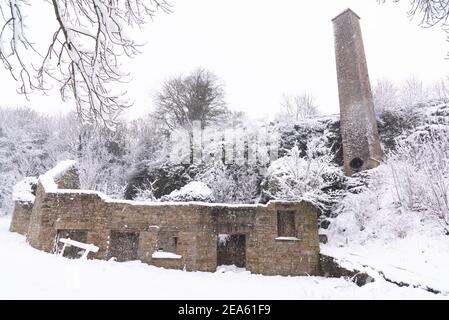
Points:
point(165, 177)
point(193, 191)
point(146, 192)
point(325, 128)
point(226, 168)
point(232, 184)
point(373, 214)
point(295, 177)
point(395, 122)
point(420, 169)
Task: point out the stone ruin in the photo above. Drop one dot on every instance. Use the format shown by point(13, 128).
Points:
point(279, 238)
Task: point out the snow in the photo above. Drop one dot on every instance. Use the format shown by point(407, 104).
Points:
point(55, 277)
point(193, 191)
point(231, 268)
point(416, 260)
point(223, 238)
point(81, 245)
point(287, 238)
point(165, 255)
point(194, 188)
point(295, 177)
point(23, 192)
point(48, 179)
point(374, 232)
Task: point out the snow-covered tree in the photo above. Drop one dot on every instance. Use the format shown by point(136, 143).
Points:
point(231, 183)
point(297, 177)
point(24, 149)
point(31, 143)
point(101, 162)
point(83, 53)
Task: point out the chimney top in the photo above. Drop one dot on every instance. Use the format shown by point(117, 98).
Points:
point(346, 12)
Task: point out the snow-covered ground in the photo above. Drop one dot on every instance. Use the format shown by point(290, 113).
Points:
point(406, 245)
point(415, 261)
point(26, 273)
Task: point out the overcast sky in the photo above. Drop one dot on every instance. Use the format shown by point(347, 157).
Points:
point(262, 49)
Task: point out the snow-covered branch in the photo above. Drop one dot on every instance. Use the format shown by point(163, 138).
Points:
point(83, 55)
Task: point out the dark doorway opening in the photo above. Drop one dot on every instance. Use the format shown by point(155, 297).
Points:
point(123, 245)
point(231, 250)
point(71, 251)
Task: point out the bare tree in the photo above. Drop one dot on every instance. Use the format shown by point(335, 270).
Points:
point(298, 107)
point(429, 12)
point(413, 92)
point(83, 54)
point(386, 96)
point(198, 96)
point(440, 90)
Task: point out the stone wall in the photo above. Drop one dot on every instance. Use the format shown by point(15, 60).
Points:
point(21, 217)
point(187, 233)
point(69, 180)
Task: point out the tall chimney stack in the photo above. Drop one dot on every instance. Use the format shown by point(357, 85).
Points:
point(361, 146)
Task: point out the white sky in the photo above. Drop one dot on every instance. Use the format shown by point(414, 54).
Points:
point(262, 49)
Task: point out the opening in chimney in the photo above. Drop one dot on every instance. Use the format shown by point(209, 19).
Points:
point(356, 163)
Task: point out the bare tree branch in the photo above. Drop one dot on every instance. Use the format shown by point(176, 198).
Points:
point(430, 12)
point(83, 55)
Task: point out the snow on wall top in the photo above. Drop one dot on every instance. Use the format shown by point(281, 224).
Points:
point(48, 182)
point(23, 190)
point(48, 179)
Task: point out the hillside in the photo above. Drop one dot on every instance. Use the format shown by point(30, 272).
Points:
point(391, 222)
point(397, 223)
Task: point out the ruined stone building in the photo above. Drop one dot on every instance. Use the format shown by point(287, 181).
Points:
point(279, 238)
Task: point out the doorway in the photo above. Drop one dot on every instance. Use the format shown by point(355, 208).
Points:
point(231, 250)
